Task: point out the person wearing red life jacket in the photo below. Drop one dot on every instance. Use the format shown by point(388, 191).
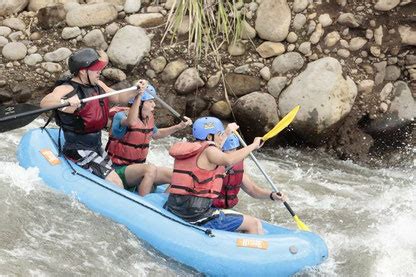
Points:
point(82, 123)
point(237, 179)
point(131, 133)
point(198, 171)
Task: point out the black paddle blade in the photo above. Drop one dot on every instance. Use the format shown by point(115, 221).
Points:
point(13, 117)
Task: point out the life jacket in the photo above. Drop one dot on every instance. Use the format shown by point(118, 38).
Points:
point(91, 117)
point(133, 147)
point(188, 178)
point(230, 188)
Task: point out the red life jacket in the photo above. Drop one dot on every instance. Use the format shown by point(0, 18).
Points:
point(188, 178)
point(230, 188)
point(134, 146)
point(90, 117)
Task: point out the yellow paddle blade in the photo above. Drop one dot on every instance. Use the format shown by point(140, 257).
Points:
point(302, 226)
point(282, 124)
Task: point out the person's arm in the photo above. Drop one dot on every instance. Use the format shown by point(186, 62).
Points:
point(216, 156)
point(123, 98)
point(57, 96)
point(133, 114)
point(118, 130)
point(165, 132)
point(252, 189)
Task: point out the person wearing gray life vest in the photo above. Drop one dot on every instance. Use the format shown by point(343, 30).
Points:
point(82, 123)
point(198, 171)
point(236, 178)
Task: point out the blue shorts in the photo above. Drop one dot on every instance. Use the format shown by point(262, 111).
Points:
point(224, 221)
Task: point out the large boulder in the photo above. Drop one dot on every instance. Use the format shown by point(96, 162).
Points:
point(36, 5)
point(240, 84)
point(128, 46)
point(12, 6)
point(256, 113)
point(273, 20)
point(188, 81)
point(324, 95)
point(401, 112)
point(91, 15)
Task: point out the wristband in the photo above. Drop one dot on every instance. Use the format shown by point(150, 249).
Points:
point(271, 196)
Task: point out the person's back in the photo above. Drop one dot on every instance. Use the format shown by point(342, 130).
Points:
point(82, 123)
point(191, 194)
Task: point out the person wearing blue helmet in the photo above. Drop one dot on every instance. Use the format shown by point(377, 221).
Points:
point(198, 174)
point(237, 179)
point(131, 133)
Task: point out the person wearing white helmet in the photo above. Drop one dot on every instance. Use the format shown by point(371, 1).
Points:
point(236, 178)
point(82, 123)
point(198, 174)
point(131, 133)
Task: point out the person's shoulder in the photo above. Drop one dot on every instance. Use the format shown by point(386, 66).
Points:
point(64, 88)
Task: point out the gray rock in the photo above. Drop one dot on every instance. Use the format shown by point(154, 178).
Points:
point(3, 41)
point(58, 55)
point(273, 20)
point(324, 95)
point(95, 39)
point(145, 20)
point(292, 37)
point(270, 49)
point(114, 74)
point(8, 7)
point(236, 49)
point(240, 84)
point(265, 73)
point(128, 46)
point(299, 21)
point(357, 43)
point(36, 5)
point(188, 81)
point(287, 62)
point(407, 34)
point(195, 106)
point(14, 23)
point(392, 73)
point(305, 48)
point(14, 51)
point(112, 29)
point(300, 5)
point(158, 64)
point(173, 69)
point(325, 20)
point(70, 32)
point(132, 6)
point(214, 80)
point(51, 67)
point(247, 31)
point(386, 5)
point(5, 31)
point(51, 16)
point(276, 85)
point(349, 20)
point(386, 91)
point(256, 114)
point(81, 16)
point(33, 59)
point(332, 38)
point(221, 109)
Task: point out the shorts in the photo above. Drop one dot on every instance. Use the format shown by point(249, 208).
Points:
point(121, 172)
point(226, 220)
point(98, 164)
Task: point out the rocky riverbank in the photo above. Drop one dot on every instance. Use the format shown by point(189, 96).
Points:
point(350, 64)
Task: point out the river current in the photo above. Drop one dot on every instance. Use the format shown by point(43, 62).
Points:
point(366, 216)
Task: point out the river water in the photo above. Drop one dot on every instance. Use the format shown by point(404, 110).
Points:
point(366, 216)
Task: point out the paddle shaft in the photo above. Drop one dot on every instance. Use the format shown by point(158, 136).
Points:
point(167, 106)
point(264, 173)
point(63, 105)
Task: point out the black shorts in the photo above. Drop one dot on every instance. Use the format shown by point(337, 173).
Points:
point(96, 163)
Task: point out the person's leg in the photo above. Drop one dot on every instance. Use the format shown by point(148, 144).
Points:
point(251, 225)
point(141, 173)
point(163, 175)
point(115, 179)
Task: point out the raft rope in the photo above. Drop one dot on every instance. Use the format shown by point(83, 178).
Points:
point(206, 231)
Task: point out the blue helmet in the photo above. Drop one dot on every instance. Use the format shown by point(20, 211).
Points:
point(231, 143)
point(147, 94)
point(205, 126)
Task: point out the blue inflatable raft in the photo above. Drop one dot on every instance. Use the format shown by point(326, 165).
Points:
point(280, 252)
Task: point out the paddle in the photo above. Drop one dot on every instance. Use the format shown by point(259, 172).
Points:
point(13, 117)
point(286, 121)
point(281, 124)
point(166, 105)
